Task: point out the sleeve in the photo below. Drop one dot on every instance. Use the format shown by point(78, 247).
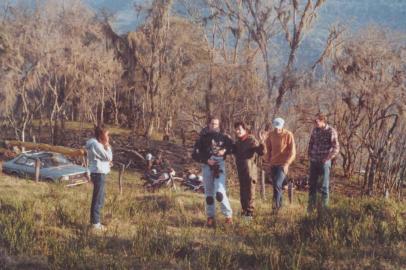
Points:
point(268, 146)
point(197, 151)
point(335, 149)
point(233, 148)
point(101, 153)
point(292, 149)
point(230, 146)
point(261, 149)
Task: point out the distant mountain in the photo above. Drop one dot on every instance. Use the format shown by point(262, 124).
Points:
point(387, 13)
point(354, 14)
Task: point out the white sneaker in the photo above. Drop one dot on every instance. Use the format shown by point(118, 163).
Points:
point(99, 227)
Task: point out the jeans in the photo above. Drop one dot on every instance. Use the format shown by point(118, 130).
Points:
point(319, 181)
point(215, 189)
point(98, 180)
point(278, 176)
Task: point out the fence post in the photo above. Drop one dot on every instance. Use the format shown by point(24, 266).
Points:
point(290, 191)
point(37, 169)
point(120, 178)
point(263, 185)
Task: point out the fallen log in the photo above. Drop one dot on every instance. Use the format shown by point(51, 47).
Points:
point(70, 152)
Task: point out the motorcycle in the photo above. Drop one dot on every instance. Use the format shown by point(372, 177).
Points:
point(194, 183)
point(156, 180)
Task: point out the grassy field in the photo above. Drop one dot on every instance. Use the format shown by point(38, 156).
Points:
point(45, 226)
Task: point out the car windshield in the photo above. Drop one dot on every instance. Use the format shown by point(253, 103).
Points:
point(54, 161)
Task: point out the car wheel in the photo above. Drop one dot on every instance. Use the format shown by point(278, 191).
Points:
point(14, 174)
point(49, 180)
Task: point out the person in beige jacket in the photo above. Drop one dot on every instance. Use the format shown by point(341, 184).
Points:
point(281, 152)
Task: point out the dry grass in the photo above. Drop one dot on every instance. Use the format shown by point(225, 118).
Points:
point(45, 226)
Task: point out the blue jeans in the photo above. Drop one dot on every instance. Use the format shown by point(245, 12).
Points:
point(278, 176)
point(215, 189)
point(98, 180)
point(319, 181)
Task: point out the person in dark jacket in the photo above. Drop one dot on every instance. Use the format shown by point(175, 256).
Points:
point(210, 150)
point(246, 152)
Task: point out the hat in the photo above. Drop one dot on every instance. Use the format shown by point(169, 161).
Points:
point(278, 122)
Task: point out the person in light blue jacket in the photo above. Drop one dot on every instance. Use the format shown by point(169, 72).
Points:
point(100, 159)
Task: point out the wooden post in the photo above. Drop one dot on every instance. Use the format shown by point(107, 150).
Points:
point(84, 161)
point(263, 185)
point(37, 169)
point(120, 178)
point(290, 191)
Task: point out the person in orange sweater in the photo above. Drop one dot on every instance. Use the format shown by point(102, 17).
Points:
point(281, 151)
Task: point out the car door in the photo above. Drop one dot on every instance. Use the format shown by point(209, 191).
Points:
point(30, 168)
point(26, 166)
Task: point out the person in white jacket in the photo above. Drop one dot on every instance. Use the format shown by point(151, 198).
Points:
point(100, 158)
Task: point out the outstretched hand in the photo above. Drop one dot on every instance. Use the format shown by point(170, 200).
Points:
point(263, 135)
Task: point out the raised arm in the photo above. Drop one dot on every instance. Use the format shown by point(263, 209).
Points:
point(268, 146)
point(102, 153)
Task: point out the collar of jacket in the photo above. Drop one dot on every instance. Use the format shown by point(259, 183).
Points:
point(325, 127)
point(243, 138)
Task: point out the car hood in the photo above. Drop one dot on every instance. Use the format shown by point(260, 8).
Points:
point(66, 170)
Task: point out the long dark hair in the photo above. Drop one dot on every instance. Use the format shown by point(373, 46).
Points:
point(99, 131)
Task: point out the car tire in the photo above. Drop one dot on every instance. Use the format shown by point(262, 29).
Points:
point(14, 174)
point(49, 180)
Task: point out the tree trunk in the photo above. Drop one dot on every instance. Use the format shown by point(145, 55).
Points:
point(55, 131)
point(102, 108)
point(371, 176)
point(269, 84)
point(151, 118)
